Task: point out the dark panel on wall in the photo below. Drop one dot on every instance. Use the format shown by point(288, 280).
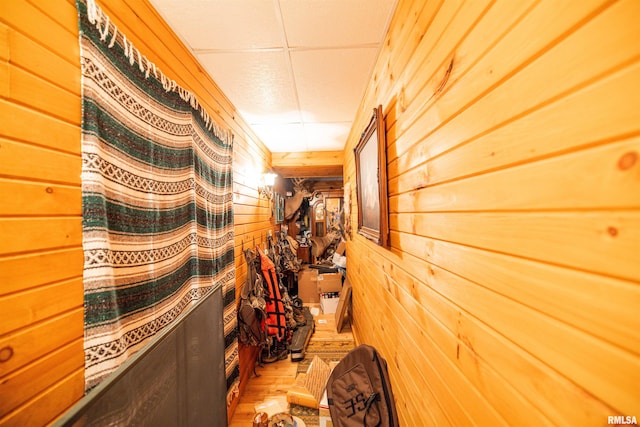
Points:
point(177, 380)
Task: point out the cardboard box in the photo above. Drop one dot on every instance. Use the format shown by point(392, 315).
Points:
point(300, 395)
point(329, 282)
point(309, 387)
point(308, 285)
point(341, 248)
point(329, 305)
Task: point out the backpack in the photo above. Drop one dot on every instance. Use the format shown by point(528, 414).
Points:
point(359, 391)
point(276, 321)
point(252, 305)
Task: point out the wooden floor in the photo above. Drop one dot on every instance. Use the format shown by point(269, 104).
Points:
point(276, 378)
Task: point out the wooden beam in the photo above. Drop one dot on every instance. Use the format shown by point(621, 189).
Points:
point(308, 164)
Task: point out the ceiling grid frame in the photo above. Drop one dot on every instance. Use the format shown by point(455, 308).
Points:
point(295, 70)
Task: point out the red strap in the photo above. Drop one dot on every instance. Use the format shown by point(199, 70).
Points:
point(276, 321)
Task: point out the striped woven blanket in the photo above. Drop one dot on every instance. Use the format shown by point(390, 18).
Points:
point(157, 191)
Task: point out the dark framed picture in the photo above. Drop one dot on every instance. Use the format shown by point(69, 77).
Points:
point(371, 180)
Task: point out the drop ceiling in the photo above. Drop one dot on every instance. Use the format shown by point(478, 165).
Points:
point(295, 69)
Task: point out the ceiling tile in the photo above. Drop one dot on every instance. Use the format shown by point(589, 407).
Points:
point(223, 24)
point(331, 83)
point(299, 89)
point(257, 83)
point(282, 137)
point(326, 136)
point(321, 23)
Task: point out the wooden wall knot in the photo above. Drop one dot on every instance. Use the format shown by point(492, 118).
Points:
point(627, 160)
point(402, 100)
point(445, 79)
point(6, 353)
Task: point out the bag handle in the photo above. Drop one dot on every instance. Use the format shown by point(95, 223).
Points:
point(367, 405)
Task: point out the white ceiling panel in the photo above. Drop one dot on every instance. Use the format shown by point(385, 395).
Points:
point(258, 83)
point(335, 23)
point(282, 137)
point(223, 24)
point(331, 83)
point(326, 136)
point(296, 70)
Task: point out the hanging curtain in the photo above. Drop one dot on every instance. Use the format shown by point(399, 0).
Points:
point(157, 192)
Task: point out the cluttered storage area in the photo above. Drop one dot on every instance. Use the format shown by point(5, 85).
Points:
point(294, 309)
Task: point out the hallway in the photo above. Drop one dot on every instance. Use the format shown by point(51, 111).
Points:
point(507, 292)
point(276, 378)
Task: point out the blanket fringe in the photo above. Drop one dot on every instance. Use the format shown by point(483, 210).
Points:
point(104, 26)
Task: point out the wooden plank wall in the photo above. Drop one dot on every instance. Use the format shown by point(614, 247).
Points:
point(41, 326)
point(41, 331)
point(510, 292)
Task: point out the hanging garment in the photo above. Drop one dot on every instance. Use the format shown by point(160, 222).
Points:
point(252, 305)
point(276, 322)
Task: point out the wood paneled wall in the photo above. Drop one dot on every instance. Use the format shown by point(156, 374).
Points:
point(510, 292)
point(41, 260)
point(41, 313)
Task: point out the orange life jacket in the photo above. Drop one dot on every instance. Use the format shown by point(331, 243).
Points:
point(276, 322)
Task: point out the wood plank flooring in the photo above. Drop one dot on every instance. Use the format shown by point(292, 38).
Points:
point(276, 378)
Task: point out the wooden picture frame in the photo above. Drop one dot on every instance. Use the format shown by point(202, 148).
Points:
point(278, 202)
point(371, 181)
